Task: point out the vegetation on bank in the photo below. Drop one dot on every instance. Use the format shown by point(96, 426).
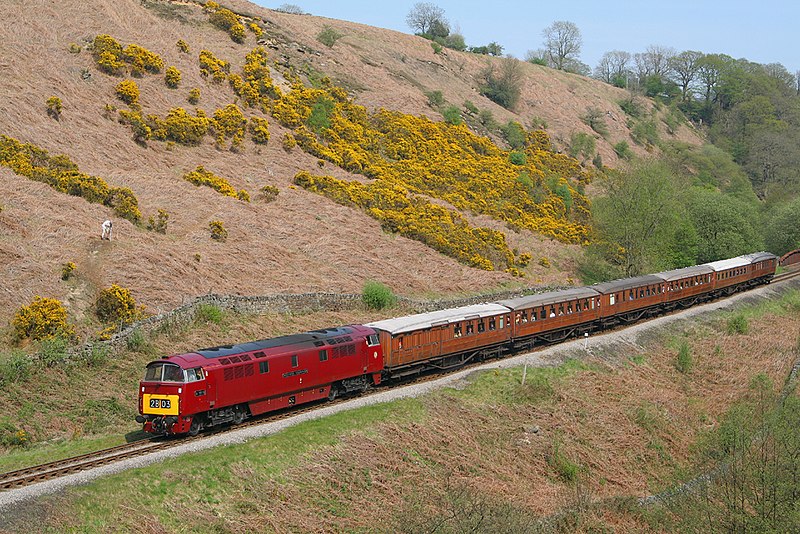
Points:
point(524, 451)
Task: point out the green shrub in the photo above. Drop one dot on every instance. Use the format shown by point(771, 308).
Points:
point(581, 144)
point(503, 85)
point(321, 112)
point(469, 106)
point(54, 351)
point(738, 324)
point(377, 296)
point(594, 119)
point(437, 48)
point(208, 313)
point(623, 150)
point(172, 77)
point(54, 107)
point(632, 107)
point(567, 470)
point(41, 319)
point(645, 133)
point(683, 363)
point(15, 368)
point(514, 134)
point(486, 117)
point(218, 231)
point(435, 98)
point(13, 437)
point(517, 158)
point(452, 115)
point(136, 341)
point(328, 36)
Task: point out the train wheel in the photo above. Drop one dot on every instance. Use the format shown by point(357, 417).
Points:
point(333, 393)
point(196, 426)
point(238, 415)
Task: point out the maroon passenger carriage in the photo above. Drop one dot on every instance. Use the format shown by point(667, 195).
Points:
point(183, 393)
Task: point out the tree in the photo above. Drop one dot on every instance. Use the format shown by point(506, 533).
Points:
point(640, 216)
point(685, 66)
point(726, 227)
point(562, 43)
point(782, 233)
point(614, 68)
point(424, 17)
point(503, 85)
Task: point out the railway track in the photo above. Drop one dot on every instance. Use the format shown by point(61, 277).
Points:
point(68, 466)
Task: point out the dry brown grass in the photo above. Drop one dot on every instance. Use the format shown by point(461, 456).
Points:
point(301, 242)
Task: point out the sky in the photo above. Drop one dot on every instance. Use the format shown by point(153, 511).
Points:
point(760, 31)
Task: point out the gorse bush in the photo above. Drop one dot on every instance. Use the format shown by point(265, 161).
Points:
point(158, 223)
point(172, 77)
point(180, 126)
point(229, 123)
point(128, 92)
point(200, 176)
point(210, 65)
point(112, 59)
point(117, 305)
point(256, 29)
point(60, 173)
point(67, 269)
point(194, 96)
point(183, 46)
point(259, 130)
point(377, 296)
point(41, 319)
point(269, 193)
point(218, 231)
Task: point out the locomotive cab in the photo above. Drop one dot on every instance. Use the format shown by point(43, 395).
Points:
point(169, 396)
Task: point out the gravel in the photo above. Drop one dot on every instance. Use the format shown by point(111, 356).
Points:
point(547, 357)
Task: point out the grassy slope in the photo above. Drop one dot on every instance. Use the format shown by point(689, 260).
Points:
point(301, 242)
point(620, 424)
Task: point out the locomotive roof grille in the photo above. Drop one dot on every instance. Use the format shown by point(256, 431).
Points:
point(311, 338)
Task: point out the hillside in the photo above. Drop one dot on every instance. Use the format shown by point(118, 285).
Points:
point(300, 242)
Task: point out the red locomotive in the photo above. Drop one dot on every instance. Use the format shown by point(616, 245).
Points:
point(184, 393)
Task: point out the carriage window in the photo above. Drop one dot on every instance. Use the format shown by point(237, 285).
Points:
point(518, 317)
point(630, 295)
point(525, 316)
point(457, 330)
point(492, 324)
point(544, 314)
point(481, 327)
point(560, 310)
point(611, 299)
point(501, 322)
point(552, 311)
point(641, 293)
point(263, 366)
point(323, 355)
point(533, 315)
point(647, 292)
point(470, 328)
point(400, 343)
point(295, 361)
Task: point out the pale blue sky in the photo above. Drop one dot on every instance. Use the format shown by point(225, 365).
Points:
point(761, 31)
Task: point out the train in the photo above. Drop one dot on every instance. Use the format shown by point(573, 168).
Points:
point(185, 393)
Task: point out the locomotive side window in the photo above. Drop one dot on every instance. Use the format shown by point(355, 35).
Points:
point(193, 375)
point(263, 367)
point(295, 361)
point(373, 340)
point(323, 355)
